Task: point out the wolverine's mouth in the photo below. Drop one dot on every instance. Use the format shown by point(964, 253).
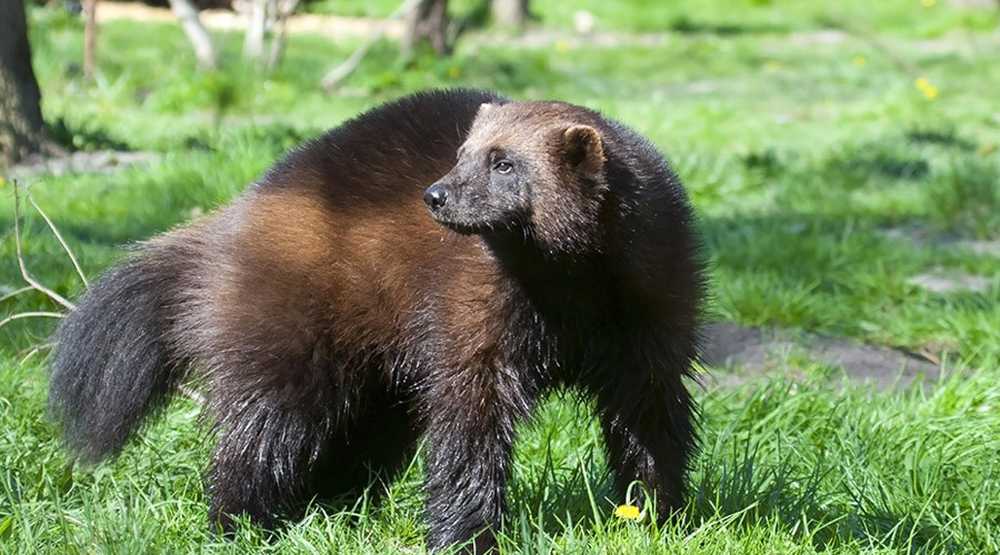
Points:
point(463, 228)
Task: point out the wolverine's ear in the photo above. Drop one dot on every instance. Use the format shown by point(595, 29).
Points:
point(484, 108)
point(582, 148)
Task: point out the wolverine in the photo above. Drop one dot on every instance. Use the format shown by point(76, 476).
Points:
point(429, 269)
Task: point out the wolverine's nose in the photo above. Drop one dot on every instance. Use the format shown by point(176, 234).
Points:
point(435, 196)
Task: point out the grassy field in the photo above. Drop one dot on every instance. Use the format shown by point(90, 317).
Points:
point(832, 153)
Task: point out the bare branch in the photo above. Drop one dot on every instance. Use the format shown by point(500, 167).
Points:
point(427, 20)
point(342, 71)
point(59, 237)
point(335, 76)
point(21, 315)
point(35, 351)
point(90, 38)
point(510, 13)
point(20, 255)
point(285, 10)
point(253, 40)
point(16, 292)
point(204, 50)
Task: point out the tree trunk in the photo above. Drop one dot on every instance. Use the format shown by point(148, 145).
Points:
point(21, 126)
point(428, 20)
point(187, 14)
point(510, 13)
point(253, 41)
point(285, 9)
point(89, 38)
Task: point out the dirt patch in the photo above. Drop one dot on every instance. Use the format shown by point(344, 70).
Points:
point(331, 26)
point(919, 236)
point(100, 161)
point(754, 352)
point(819, 37)
point(940, 280)
point(981, 247)
point(541, 37)
point(951, 282)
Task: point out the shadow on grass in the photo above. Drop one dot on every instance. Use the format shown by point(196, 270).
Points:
point(940, 136)
point(688, 25)
point(83, 137)
point(886, 159)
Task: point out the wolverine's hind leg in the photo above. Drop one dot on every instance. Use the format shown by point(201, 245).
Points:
point(371, 451)
point(271, 430)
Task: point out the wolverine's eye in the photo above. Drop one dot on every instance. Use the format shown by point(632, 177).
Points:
point(503, 166)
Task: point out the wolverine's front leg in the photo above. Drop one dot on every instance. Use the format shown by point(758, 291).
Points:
point(471, 417)
point(649, 434)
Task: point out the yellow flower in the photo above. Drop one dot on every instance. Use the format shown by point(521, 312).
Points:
point(925, 86)
point(454, 72)
point(628, 512)
point(772, 65)
point(562, 46)
point(928, 3)
point(859, 60)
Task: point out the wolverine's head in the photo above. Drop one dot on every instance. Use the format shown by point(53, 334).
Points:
point(531, 168)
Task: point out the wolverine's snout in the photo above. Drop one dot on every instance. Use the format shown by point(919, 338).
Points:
point(436, 196)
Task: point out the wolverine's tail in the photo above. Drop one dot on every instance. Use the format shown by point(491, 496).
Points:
point(113, 364)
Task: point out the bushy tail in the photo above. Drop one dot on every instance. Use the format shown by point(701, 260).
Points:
point(112, 366)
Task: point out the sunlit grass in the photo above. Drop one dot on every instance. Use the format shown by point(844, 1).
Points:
point(804, 164)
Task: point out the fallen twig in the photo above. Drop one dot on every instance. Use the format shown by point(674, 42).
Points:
point(37, 349)
point(16, 292)
point(342, 71)
point(35, 285)
point(59, 237)
point(20, 255)
point(283, 10)
point(30, 314)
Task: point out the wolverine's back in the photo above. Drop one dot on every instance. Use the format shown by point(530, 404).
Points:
point(327, 250)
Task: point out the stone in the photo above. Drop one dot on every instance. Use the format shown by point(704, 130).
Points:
point(754, 352)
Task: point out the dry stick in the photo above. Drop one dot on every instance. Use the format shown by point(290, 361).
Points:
point(59, 237)
point(90, 38)
point(201, 41)
point(33, 285)
point(16, 292)
point(284, 11)
point(253, 39)
point(335, 76)
point(35, 351)
point(37, 314)
point(20, 255)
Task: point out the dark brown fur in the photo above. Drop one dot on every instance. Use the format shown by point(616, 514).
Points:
point(334, 320)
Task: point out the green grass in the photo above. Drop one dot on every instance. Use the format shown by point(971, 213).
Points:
point(799, 154)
